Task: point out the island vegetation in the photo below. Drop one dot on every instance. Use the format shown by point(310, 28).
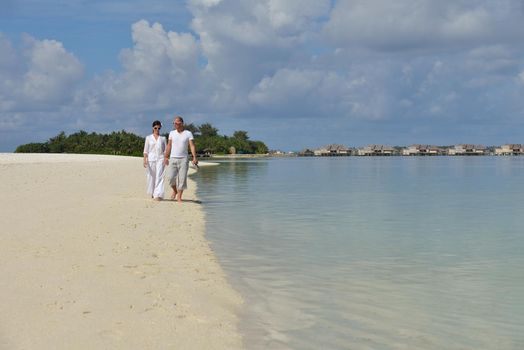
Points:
point(207, 141)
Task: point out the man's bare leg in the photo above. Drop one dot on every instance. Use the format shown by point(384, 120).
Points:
point(174, 195)
point(179, 196)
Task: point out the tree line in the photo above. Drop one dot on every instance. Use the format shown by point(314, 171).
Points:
point(207, 141)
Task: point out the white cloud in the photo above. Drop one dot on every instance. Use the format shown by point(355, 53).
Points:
point(204, 3)
point(37, 88)
point(242, 42)
point(42, 76)
point(295, 15)
point(286, 85)
point(422, 24)
point(264, 24)
point(8, 56)
point(157, 52)
point(317, 94)
point(8, 75)
point(521, 77)
point(466, 23)
point(245, 24)
point(160, 70)
point(492, 62)
point(52, 72)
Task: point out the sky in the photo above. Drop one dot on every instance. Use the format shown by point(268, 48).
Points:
point(293, 73)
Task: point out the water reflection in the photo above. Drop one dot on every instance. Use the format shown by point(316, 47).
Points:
point(381, 253)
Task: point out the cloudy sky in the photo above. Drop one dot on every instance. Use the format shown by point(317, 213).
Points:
point(293, 73)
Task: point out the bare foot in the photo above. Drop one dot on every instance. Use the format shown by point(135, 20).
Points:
point(179, 196)
point(174, 195)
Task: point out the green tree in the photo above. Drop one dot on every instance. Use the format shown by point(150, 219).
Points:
point(119, 143)
point(240, 135)
point(33, 148)
point(259, 147)
point(195, 130)
point(122, 142)
point(57, 144)
point(207, 130)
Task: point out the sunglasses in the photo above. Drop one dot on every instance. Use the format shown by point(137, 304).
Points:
point(156, 128)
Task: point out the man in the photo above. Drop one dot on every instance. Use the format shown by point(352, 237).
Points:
point(175, 157)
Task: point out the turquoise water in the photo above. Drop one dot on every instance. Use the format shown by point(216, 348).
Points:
point(372, 253)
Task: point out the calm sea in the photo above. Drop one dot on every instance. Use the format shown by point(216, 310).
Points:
point(372, 252)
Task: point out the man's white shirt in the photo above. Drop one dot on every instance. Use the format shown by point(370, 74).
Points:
point(180, 143)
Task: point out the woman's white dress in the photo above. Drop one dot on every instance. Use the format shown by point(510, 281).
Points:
point(155, 148)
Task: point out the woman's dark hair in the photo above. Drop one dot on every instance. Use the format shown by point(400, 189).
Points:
point(156, 122)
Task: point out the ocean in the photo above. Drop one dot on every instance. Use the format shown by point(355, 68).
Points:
point(372, 252)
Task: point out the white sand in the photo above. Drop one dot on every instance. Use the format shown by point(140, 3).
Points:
point(87, 261)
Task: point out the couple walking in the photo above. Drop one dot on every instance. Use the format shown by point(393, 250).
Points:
point(158, 154)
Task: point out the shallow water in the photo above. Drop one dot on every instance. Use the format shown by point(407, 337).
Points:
point(372, 253)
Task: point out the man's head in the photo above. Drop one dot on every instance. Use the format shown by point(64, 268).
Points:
point(178, 123)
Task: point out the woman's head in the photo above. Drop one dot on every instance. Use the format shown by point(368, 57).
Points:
point(157, 125)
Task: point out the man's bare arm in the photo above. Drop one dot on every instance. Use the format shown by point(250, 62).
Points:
point(193, 151)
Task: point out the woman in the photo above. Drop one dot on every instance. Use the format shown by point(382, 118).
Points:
point(154, 148)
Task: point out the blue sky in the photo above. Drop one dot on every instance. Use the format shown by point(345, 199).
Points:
point(292, 73)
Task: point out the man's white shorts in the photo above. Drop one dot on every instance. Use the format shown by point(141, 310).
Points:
point(176, 172)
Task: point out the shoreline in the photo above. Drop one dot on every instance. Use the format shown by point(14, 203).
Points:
point(88, 261)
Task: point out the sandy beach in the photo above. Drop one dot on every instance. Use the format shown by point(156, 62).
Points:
point(88, 261)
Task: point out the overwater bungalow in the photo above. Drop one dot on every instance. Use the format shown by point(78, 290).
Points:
point(467, 150)
point(306, 153)
point(376, 150)
point(333, 150)
point(510, 150)
point(422, 150)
